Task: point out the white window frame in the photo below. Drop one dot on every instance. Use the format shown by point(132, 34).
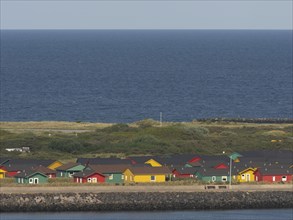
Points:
point(80, 180)
point(89, 180)
point(273, 178)
point(243, 176)
point(154, 178)
point(224, 177)
point(31, 181)
point(18, 179)
point(111, 177)
point(122, 176)
point(94, 180)
point(35, 180)
point(284, 178)
point(214, 178)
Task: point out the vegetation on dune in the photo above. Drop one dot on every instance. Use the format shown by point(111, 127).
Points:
point(147, 137)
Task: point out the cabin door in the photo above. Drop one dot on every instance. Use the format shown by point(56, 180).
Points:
point(247, 177)
point(36, 180)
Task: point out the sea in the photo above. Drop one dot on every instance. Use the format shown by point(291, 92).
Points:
point(270, 214)
point(129, 75)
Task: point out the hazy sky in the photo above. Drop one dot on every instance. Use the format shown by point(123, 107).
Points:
point(196, 14)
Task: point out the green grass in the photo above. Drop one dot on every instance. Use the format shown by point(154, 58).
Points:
point(143, 138)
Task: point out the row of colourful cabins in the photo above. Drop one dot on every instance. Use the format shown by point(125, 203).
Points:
point(252, 166)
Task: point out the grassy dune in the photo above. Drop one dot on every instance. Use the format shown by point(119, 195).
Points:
point(68, 140)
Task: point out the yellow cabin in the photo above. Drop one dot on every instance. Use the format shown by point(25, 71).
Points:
point(55, 165)
point(146, 174)
point(246, 175)
point(2, 173)
point(153, 163)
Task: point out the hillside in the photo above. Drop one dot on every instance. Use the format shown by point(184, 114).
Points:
point(68, 140)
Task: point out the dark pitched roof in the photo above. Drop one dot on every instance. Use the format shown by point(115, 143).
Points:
point(150, 170)
point(213, 172)
point(28, 173)
point(99, 160)
point(275, 171)
point(87, 173)
point(4, 160)
point(185, 170)
point(43, 169)
point(67, 166)
point(17, 167)
point(30, 162)
point(140, 159)
point(116, 168)
point(174, 160)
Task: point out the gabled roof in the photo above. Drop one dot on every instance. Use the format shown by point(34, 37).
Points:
point(174, 160)
point(275, 171)
point(44, 170)
point(150, 170)
point(119, 168)
point(105, 161)
point(68, 166)
point(30, 162)
point(213, 172)
point(17, 167)
point(140, 159)
point(87, 173)
point(185, 170)
point(28, 173)
point(195, 164)
point(4, 160)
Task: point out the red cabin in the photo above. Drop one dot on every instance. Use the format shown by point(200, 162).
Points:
point(273, 175)
point(89, 176)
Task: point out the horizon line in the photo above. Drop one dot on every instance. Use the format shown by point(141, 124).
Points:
point(156, 29)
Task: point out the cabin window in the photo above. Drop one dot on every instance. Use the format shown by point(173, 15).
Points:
point(214, 178)
point(284, 178)
point(61, 174)
point(36, 180)
point(94, 180)
point(21, 180)
point(224, 178)
point(89, 180)
point(274, 178)
point(77, 180)
point(122, 177)
point(153, 178)
point(191, 175)
point(80, 180)
point(111, 177)
point(243, 176)
point(50, 176)
point(18, 179)
point(31, 180)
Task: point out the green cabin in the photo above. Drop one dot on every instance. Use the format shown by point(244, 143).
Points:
point(31, 177)
point(212, 175)
point(69, 169)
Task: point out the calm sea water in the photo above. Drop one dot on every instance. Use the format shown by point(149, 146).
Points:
point(270, 214)
point(125, 76)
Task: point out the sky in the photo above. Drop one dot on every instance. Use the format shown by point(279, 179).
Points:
point(151, 14)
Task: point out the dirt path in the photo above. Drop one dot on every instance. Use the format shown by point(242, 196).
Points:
point(138, 188)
